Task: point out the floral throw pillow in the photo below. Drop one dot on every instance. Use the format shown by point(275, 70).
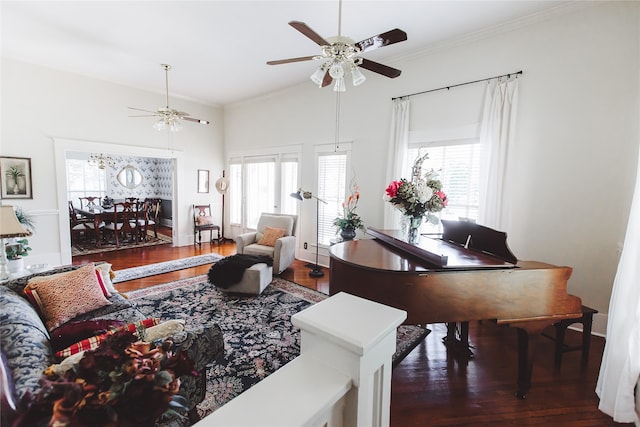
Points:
point(270, 236)
point(65, 296)
point(204, 220)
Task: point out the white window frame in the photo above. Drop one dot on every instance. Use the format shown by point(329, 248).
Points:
point(425, 147)
point(279, 155)
point(99, 191)
point(327, 213)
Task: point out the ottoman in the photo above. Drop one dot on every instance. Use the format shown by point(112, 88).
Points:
point(254, 280)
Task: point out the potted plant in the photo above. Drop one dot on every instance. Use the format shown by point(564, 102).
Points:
point(18, 248)
point(14, 172)
point(350, 221)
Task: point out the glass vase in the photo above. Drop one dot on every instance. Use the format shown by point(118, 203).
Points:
point(411, 228)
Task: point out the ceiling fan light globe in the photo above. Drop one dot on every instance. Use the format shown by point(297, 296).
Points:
point(318, 75)
point(336, 71)
point(160, 125)
point(339, 86)
point(358, 77)
point(176, 126)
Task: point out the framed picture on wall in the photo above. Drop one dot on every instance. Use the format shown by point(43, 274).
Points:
point(15, 178)
point(203, 181)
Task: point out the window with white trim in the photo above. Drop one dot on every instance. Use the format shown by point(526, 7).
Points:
point(332, 167)
point(84, 180)
point(458, 165)
point(260, 184)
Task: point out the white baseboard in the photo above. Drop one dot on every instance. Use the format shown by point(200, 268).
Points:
point(598, 327)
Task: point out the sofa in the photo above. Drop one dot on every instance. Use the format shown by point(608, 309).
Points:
point(26, 345)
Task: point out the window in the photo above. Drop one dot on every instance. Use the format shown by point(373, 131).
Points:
point(332, 169)
point(458, 164)
point(84, 180)
point(261, 184)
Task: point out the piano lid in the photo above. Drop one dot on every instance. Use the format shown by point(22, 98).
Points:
point(439, 253)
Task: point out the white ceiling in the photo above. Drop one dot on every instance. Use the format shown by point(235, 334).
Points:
point(218, 49)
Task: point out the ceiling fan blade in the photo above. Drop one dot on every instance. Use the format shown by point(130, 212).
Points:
point(326, 81)
point(304, 29)
point(376, 67)
point(192, 119)
point(286, 61)
point(140, 109)
point(382, 40)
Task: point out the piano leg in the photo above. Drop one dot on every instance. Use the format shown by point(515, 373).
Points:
point(528, 336)
point(458, 343)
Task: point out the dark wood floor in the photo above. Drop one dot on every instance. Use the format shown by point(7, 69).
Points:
point(430, 387)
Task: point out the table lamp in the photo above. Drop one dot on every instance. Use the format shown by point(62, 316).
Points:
point(9, 227)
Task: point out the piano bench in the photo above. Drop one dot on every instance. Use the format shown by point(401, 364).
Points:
point(561, 327)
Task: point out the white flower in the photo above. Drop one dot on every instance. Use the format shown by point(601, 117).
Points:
point(423, 192)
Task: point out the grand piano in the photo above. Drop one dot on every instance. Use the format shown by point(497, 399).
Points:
point(468, 274)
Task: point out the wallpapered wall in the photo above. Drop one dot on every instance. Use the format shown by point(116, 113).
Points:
point(157, 178)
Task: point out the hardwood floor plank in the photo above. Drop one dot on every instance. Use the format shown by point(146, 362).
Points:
point(430, 387)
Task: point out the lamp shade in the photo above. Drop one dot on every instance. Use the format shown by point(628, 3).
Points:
point(9, 224)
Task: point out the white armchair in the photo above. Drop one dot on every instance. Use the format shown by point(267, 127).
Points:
point(257, 243)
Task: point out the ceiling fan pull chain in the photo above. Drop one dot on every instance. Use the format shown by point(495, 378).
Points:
point(339, 18)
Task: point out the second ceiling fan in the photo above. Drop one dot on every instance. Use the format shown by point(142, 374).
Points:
point(341, 52)
point(168, 118)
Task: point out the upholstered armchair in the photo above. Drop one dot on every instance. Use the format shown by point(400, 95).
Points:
point(274, 236)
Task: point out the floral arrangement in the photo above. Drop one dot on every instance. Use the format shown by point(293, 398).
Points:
point(123, 382)
point(350, 220)
point(419, 197)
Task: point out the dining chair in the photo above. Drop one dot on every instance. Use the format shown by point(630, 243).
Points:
point(81, 226)
point(89, 202)
point(125, 221)
point(149, 213)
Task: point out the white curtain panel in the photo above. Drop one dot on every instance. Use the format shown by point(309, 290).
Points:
point(496, 139)
point(620, 366)
point(396, 156)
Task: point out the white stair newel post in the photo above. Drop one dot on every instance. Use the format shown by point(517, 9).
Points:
point(357, 337)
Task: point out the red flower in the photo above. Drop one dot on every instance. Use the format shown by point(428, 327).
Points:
point(443, 197)
point(392, 189)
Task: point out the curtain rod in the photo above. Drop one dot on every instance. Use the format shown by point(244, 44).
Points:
point(459, 84)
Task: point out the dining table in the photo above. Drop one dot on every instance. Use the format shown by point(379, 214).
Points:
point(99, 214)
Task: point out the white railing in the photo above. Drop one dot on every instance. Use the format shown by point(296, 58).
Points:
point(341, 378)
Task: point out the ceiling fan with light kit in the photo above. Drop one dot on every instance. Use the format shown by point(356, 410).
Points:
point(341, 54)
point(168, 118)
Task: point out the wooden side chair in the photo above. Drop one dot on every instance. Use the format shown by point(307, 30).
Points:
point(125, 221)
point(81, 226)
point(89, 202)
point(202, 221)
point(149, 213)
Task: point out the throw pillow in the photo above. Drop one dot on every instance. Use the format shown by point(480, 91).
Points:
point(93, 342)
point(204, 220)
point(73, 332)
point(103, 285)
point(61, 298)
point(106, 273)
point(270, 236)
point(163, 330)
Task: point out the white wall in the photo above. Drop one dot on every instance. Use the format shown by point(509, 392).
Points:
point(41, 104)
point(577, 133)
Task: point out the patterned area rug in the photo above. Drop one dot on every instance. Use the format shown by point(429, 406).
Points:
point(259, 337)
point(164, 267)
point(88, 247)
